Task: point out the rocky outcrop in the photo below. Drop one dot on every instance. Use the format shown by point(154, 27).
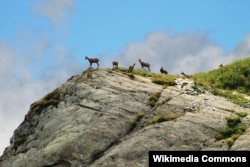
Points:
point(108, 117)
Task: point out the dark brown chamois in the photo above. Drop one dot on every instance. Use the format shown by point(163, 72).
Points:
point(163, 71)
point(221, 65)
point(187, 76)
point(93, 60)
point(115, 64)
point(144, 64)
point(131, 68)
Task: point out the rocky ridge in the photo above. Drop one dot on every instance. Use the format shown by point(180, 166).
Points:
point(107, 117)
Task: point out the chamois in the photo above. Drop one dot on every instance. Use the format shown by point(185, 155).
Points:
point(115, 64)
point(144, 64)
point(163, 71)
point(131, 68)
point(92, 60)
point(187, 76)
point(221, 65)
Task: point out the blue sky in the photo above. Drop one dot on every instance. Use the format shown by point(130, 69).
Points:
point(44, 42)
point(98, 27)
point(112, 25)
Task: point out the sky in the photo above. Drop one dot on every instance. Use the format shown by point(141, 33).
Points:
point(44, 42)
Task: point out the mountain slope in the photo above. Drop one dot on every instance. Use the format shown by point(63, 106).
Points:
point(109, 117)
point(231, 81)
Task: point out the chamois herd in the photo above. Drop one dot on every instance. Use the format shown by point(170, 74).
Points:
point(131, 68)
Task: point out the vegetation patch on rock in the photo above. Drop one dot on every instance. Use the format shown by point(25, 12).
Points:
point(163, 118)
point(51, 98)
point(135, 120)
point(233, 130)
point(153, 99)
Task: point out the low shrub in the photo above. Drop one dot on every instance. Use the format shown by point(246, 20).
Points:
point(232, 121)
point(153, 99)
point(241, 114)
point(232, 131)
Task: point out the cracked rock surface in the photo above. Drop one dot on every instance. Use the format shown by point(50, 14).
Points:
point(93, 120)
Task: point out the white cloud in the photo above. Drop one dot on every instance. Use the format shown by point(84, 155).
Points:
point(188, 52)
point(34, 67)
point(242, 50)
point(55, 10)
point(20, 88)
point(5, 62)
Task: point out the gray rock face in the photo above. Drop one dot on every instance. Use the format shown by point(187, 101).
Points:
point(106, 118)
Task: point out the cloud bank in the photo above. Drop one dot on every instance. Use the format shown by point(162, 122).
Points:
point(55, 10)
point(33, 66)
point(242, 49)
point(188, 52)
point(20, 87)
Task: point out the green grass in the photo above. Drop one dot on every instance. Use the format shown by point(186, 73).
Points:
point(241, 114)
point(225, 81)
point(161, 79)
point(51, 98)
point(234, 76)
point(229, 94)
point(143, 73)
point(163, 118)
point(233, 130)
point(164, 80)
point(153, 99)
point(232, 121)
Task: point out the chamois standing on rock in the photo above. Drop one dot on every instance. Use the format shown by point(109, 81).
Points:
point(163, 71)
point(131, 68)
point(144, 64)
point(92, 60)
point(187, 76)
point(115, 64)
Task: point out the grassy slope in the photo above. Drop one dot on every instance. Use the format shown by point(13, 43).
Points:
point(161, 79)
point(231, 81)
